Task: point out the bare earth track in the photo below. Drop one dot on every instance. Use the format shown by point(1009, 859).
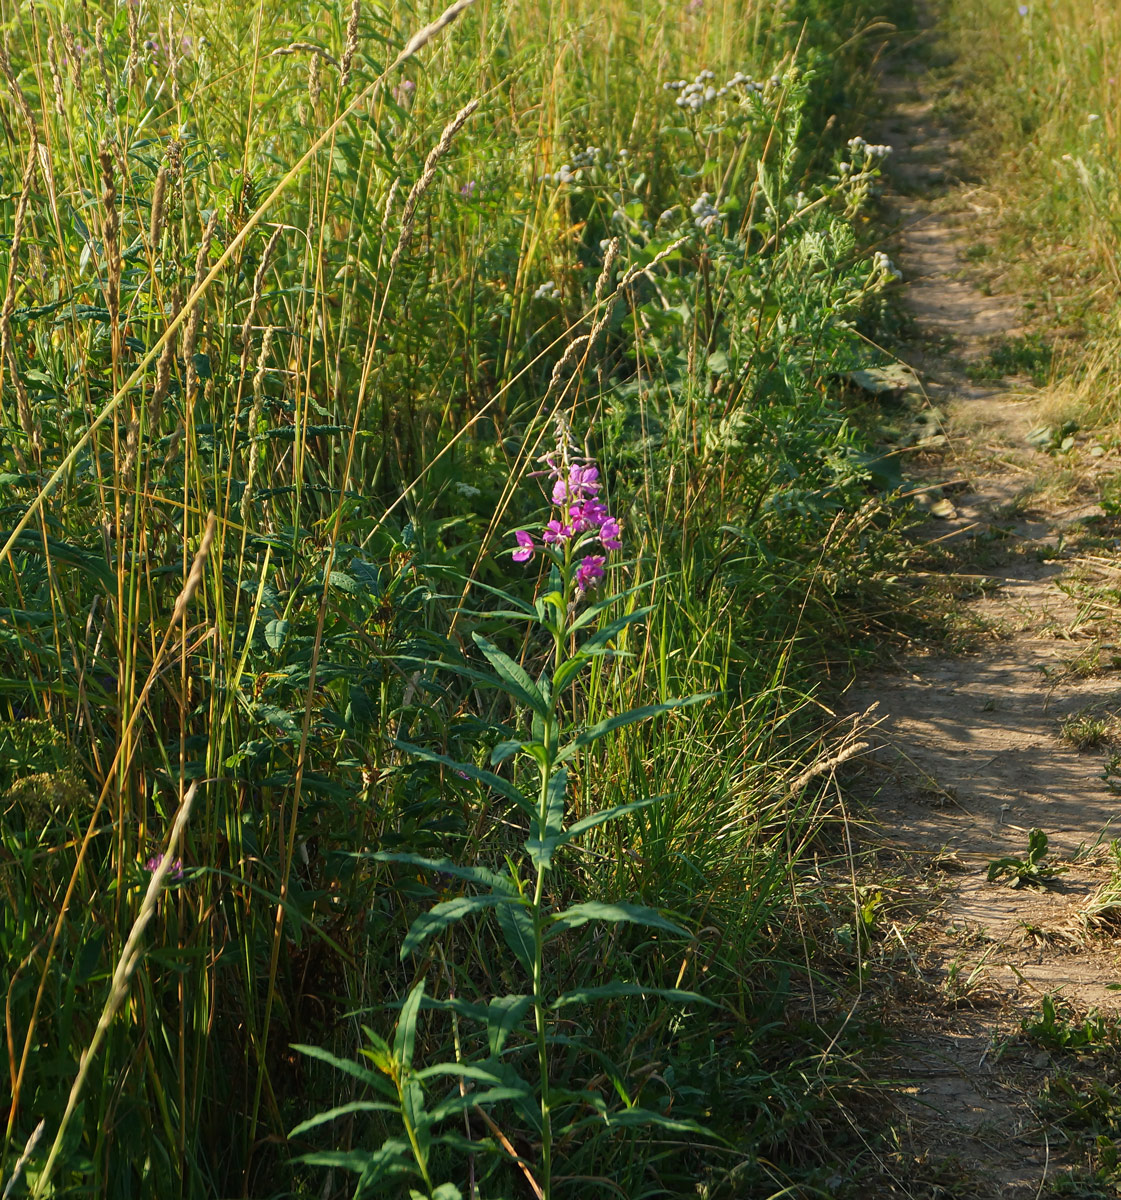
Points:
point(971, 755)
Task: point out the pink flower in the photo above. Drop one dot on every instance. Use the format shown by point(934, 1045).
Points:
point(609, 532)
point(524, 552)
point(175, 874)
point(555, 533)
point(589, 572)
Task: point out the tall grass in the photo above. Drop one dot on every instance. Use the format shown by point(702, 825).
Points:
point(245, 278)
point(1041, 95)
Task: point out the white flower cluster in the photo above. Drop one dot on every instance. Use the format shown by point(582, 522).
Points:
point(546, 291)
point(694, 96)
point(705, 213)
point(882, 265)
point(584, 160)
point(864, 155)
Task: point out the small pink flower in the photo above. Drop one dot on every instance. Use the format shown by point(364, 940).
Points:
point(524, 552)
point(609, 532)
point(468, 189)
point(175, 874)
point(589, 572)
point(555, 532)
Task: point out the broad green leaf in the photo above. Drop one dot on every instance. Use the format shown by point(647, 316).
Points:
point(503, 751)
point(447, 1191)
point(404, 1039)
point(442, 915)
point(516, 679)
point(275, 633)
point(596, 910)
point(605, 815)
point(503, 786)
point(503, 1017)
point(602, 728)
point(540, 847)
point(517, 930)
point(618, 989)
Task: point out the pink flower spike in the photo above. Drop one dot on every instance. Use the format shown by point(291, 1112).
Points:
point(589, 572)
point(524, 552)
point(609, 533)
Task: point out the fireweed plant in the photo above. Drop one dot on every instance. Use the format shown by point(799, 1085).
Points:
point(521, 1028)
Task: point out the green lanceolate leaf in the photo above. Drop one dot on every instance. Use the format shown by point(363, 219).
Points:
point(618, 989)
point(444, 866)
point(596, 910)
point(442, 915)
point(602, 728)
point(515, 678)
point(605, 815)
point(404, 1040)
point(540, 847)
point(589, 614)
point(503, 786)
point(343, 1110)
point(348, 1067)
point(504, 1014)
point(517, 930)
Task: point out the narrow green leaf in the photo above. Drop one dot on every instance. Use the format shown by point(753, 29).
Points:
point(595, 910)
point(456, 1104)
point(589, 614)
point(355, 1106)
point(515, 677)
point(605, 815)
point(442, 915)
point(404, 1039)
point(348, 1067)
point(618, 989)
point(445, 866)
point(503, 786)
point(602, 728)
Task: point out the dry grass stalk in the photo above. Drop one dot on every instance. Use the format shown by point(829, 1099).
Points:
point(17, 91)
point(99, 43)
point(408, 217)
point(258, 287)
point(315, 79)
point(326, 135)
point(191, 333)
point(24, 1158)
point(127, 963)
point(351, 47)
point(255, 417)
point(159, 199)
point(112, 242)
point(422, 37)
point(7, 354)
point(56, 75)
point(316, 52)
point(73, 57)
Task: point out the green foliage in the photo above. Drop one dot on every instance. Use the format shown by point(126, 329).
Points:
point(1031, 870)
point(359, 396)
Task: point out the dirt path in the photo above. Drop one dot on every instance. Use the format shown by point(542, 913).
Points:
point(973, 752)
